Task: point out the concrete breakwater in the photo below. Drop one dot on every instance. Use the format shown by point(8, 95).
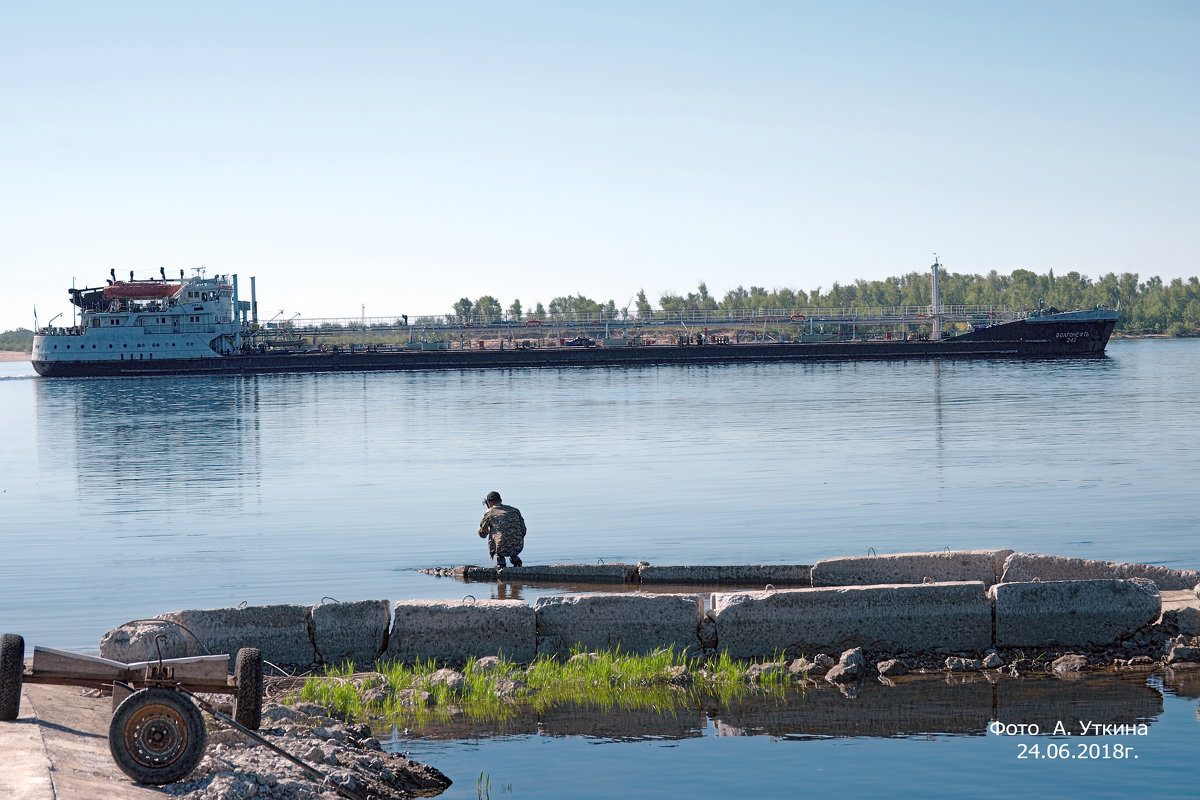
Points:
point(948, 602)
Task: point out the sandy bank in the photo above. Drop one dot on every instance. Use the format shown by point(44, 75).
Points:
point(14, 355)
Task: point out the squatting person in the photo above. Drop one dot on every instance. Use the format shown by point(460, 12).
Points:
point(504, 528)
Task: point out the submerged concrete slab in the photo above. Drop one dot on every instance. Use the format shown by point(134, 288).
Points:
point(1072, 613)
point(350, 631)
point(715, 575)
point(636, 623)
point(891, 618)
point(280, 632)
point(451, 631)
point(584, 573)
point(1024, 567)
point(949, 566)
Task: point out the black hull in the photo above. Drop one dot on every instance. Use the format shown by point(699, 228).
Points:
point(1037, 338)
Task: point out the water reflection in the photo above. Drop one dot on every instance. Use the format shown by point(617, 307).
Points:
point(154, 444)
point(914, 706)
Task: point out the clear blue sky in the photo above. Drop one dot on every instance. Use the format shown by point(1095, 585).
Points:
point(403, 155)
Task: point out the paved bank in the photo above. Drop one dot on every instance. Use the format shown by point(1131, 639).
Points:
point(57, 749)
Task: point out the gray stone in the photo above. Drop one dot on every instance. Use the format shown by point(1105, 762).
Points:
point(451, 631)
point(957, 664)
point(756, 672)
point(635, 623)
point(452, 679)
point(852, 658)
point(487, 665)
point(892, 668)
point(1072, 613)
point(1071, 662)
point(893, 618)
point(1182, 620)
point(1196, 591)
point(587, 573)
point(350, 631)
point(962, 565)
point(743, 574)
point(803, 668)
point(993, 660)
point(279, 632)
point(1023, 567)
point(823, 661)
point(1183, 652)
point(844, 673)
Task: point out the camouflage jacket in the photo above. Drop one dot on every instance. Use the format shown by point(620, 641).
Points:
point(505, 525)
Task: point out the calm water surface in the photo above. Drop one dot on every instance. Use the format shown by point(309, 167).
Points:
point(124, 498)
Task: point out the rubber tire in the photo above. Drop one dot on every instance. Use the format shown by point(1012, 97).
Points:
point(12, 669)
point(172, 715)
point(248, 675)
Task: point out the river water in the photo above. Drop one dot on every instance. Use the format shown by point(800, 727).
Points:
point(123, 498)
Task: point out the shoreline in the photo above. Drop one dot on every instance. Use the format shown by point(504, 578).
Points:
point(15, 355)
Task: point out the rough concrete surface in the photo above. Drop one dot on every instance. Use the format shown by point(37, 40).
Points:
point(1072, 613)
point(453, 630)
point(715, 575)
point(350, 631)
point(950, 566)
point(886, 618)
point(57, 749)
point(589, 573)
point(636, 623)
point(280, 632)
point(1024, 567)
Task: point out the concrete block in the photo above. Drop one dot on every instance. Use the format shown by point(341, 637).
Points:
point(637, 623)
point(280, 632)
point(889, 618)
point(451, 631)
point(744, 574)
point(134, 641)
point(350, 631)
point(1024, 567)
point(953, 566)
point(1072, 613)
point(576, 573)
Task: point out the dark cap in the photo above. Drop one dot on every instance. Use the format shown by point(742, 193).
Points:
point(492, 497)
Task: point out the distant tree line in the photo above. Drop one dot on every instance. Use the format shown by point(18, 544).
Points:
point(1148, 307)
point(20, 339)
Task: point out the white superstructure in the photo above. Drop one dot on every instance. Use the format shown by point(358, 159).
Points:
point(143, 320)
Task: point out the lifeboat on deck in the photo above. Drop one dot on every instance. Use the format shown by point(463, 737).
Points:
point(139, 290)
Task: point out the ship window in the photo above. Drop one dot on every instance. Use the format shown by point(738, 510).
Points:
point(110, 347)
point(55, 347)
point(124, 345)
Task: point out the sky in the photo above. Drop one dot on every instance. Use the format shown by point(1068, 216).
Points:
point(393, 157)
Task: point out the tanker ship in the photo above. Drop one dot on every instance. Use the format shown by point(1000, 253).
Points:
point(199, 325)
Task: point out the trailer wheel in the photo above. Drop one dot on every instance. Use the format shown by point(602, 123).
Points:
point(248, 675)
point(12, 668)
point(157, 736)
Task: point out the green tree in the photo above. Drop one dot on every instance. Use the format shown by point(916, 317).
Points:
point(488, 310)
point(644, 311)
point(462, 310)
point(19, 339)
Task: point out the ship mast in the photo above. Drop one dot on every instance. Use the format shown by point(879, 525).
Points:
point(935, 307)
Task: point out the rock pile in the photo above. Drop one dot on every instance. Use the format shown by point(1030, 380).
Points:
point(236, 768)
